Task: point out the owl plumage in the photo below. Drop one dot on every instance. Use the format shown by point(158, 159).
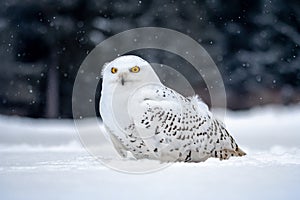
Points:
point(150, 120)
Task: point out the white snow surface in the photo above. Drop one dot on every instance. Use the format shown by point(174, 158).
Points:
point(44, 159)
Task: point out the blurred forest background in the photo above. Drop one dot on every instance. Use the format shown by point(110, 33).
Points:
point(255, 44)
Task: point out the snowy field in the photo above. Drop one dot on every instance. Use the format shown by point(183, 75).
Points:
point(42, 159)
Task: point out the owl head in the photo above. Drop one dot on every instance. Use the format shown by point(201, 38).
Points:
point(128, 70)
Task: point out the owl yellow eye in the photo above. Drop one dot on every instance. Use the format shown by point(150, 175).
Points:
point(114, 70)
point(135, 69)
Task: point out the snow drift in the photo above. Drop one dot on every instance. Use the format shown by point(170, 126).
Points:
point(45, 159)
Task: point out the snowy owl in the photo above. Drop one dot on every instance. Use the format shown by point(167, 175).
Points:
point(146, 119)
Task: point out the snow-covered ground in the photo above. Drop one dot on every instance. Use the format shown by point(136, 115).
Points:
point(43, 159)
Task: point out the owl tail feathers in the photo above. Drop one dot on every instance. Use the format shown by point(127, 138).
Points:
point(226, 153)
point(239, 152)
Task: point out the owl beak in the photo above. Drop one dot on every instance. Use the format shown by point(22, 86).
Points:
point(122, 80)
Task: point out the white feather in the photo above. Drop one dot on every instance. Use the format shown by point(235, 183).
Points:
point(152, 121)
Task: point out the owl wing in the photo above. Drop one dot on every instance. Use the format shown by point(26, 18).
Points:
point(177, 128)
point(167, 121)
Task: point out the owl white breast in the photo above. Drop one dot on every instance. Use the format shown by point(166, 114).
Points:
point(149, 120)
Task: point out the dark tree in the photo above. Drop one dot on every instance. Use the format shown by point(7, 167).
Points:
point(255, 44)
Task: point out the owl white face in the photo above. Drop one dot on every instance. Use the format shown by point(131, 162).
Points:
point(128, 70)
